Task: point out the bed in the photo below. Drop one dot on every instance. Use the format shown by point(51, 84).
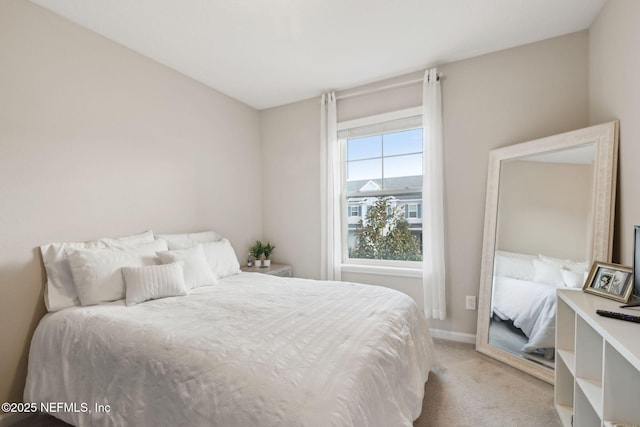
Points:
point(251, 349)
point(524, 293)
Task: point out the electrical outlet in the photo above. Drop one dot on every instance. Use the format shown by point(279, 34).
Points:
point(471, 302)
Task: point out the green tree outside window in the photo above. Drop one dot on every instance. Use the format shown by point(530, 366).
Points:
point(385, 234)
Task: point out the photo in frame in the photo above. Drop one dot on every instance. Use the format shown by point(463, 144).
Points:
point(612, 281)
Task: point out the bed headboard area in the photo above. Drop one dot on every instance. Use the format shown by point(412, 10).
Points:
point(96, 140)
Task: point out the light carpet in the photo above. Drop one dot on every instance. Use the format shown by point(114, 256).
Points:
point(471, 389)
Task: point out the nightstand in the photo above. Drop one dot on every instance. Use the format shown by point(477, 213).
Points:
point(281, 270)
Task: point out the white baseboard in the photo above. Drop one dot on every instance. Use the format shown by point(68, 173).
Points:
point(453, 336)
point(10, 419)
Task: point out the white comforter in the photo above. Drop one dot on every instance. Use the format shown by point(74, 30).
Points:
point(254, 350)
point(531, 306)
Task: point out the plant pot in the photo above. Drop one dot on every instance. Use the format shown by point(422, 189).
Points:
point(266, 263)
point(257, 263)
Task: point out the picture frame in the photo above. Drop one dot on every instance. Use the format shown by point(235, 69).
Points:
point(611, 281)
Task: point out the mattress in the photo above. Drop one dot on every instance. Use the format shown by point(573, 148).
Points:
point(254, 350)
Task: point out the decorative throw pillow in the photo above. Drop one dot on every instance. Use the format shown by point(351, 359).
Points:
point(153, 282)
point(97, 273)
point(197, 272)
point(60, 291)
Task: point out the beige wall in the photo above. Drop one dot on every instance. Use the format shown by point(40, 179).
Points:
point(96, 140)
point(488, 102)
point(545, 208)
point(291, 184)
point(614, 93)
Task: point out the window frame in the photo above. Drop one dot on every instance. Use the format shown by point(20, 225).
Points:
point(409, 211)
point(363, 265)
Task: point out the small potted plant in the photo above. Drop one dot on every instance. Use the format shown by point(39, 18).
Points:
point(256, 251)
point(267, 250)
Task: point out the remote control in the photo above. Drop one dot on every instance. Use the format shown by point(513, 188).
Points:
point(621, 316)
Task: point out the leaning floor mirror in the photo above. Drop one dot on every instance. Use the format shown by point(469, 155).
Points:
point(548, 216)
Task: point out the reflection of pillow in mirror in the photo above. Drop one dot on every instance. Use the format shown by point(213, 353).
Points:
point(514, 267)
point(573, 279)
point(578, 267)
point(547, 273)
point(566, 264)
point(553, 260)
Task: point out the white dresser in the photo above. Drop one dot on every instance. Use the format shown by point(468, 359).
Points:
point(597, 377)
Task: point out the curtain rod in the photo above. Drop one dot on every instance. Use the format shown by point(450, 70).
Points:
point(382, 88)
point(379, 89)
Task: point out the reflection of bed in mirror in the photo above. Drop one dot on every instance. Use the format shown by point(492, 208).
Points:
point(549, 201)
point(523, 304)
point(543, 210)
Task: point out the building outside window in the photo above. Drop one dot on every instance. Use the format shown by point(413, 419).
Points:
point(382, 188)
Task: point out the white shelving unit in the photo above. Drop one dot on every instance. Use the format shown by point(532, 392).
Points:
point(597, 376)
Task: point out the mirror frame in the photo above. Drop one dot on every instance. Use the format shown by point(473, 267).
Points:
point(605, 172)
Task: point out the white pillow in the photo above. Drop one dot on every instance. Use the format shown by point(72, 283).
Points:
point(221, 258)
point(97, 272)
point(194, 263)
point(153, 282)
point(189, 240)
point(516, 267)
point(130, 240)
point(578, 267)
point(567, 264)
point(547, 273)
point(573, 279)
point(553, 260)
point(60, 291)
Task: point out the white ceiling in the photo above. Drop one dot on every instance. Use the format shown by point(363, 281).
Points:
point(267, 53)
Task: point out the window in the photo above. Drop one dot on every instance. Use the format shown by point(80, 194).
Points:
point(412, 210)
point(382, 187)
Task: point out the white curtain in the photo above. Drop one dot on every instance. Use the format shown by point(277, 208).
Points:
point(433, 275)
point(330, 190)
